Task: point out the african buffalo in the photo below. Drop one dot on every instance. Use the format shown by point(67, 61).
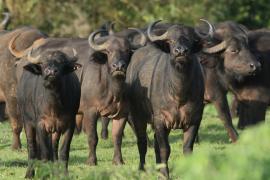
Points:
point(3, 26)
point(48, 101)
point(226, 60)
point(253, 92)
point(165, 89)
point(103, 92)
point(104, 62)
point(8, 79)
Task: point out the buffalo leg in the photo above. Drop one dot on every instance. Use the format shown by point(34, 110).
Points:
point(90, 127)
point(79, 120)
point(2, 111)
point(55, 144)
point(32, 150)
point(140, 131)
point(117, 135)
point(16, 123)
point(189, 138)
point(104, 131)
point(223, 110)
point(251, 113)
point(45, 144)
point(162, 148)
point(234, 107)
point(65, 148)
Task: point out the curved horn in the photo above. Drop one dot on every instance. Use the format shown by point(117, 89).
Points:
point(210, 31)
point(20, 54)
point(219, 47)
point(143, 39)
point(153, 37)
point(6, 20)
point(111, 28)
point(75, 54)
point(93, 45)
point(34, 60)
point(12, 48)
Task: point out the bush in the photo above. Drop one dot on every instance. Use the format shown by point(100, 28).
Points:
point(248, 159)
point(79, 18)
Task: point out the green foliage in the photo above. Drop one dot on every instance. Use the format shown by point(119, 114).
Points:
point(54, 171)
point(248, 159)
point(79, 18)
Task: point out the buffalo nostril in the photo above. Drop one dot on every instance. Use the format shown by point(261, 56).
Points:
point(176, 51)
point(55, 71)
point(252, 66)
point(114, 65)
point(123, 65)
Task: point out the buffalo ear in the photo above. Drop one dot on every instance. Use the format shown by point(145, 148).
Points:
point(99, 57)
point(33, 68)
point(163, 46)
point(70, 67)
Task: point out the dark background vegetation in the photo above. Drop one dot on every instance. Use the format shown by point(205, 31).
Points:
point(80, 17)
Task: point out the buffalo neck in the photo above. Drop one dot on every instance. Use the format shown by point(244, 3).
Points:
point(177, 78)
point(53, 95)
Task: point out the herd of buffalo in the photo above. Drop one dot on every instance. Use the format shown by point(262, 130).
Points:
point(161, 75)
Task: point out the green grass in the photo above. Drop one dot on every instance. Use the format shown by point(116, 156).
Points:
point(213, 140)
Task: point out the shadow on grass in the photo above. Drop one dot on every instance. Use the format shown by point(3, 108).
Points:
point(2, 146)
point(14, 163)
point(210, 133)
point(213, 134)
point(75, 160)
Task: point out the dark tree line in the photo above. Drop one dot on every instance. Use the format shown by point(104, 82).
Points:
point(79, 17)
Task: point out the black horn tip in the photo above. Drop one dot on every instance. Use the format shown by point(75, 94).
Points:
point(153, 37)
point(92, 41)
point(143, 37)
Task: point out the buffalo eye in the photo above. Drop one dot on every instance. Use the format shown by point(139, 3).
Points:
point(171, 41)
point(234, 51)
point(70, 67)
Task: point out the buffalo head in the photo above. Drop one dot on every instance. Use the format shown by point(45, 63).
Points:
point(231, 43)
point(115, 51)
point(51, 66)
point(180, 41)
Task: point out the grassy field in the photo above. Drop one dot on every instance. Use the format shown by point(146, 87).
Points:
point(212, 136)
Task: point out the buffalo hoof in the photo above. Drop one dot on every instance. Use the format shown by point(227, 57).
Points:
point(77, 131)
point(104, 134)
point(187, 151)
point(233, 135)
point(118, 162)
point(141, 167)
point(91, 162)
point(164, 173)
point(16, 146)
point(240, 127)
